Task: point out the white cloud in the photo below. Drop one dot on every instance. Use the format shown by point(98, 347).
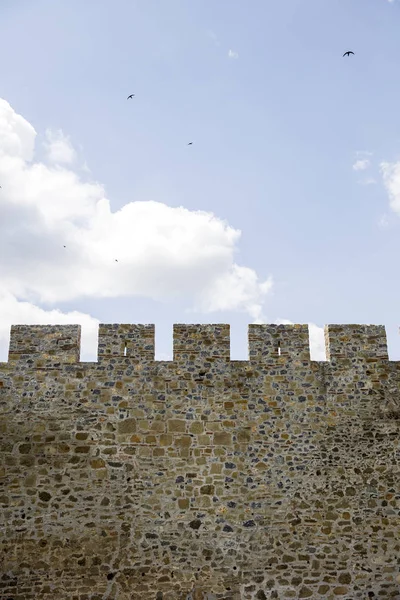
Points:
point(59, 148)
point(239, 286)
point(233, 54)
point(317, 339)
point(85, 168)
point(163, 252)
point(361, 165)
point(17, 136)
point(391, 180)
point(383, 222)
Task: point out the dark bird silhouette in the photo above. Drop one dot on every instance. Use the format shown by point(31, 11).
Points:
point(65, 246)
point(190, 143)
point(348, 53)
point(116, 260)
point(131, 96)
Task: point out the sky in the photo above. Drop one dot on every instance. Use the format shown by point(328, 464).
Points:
point(285, 209)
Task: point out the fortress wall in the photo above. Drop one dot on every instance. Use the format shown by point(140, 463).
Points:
point(200, 477)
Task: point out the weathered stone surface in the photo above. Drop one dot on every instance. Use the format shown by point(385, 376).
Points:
point(202, 477)
point(222, 439)
point(176, 425)
point(97, 463)
point(127, 426)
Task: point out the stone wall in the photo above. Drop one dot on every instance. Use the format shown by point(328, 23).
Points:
point(202, 477)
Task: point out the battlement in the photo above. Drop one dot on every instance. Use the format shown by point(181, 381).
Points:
point(50, 345)
point(201, 477)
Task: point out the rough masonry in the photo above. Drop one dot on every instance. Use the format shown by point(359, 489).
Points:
point(201, 477)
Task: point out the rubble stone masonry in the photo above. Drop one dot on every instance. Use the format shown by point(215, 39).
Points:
point(200, 477)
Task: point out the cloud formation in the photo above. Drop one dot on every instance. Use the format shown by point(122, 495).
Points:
point(163, 252)
point(59, 148)
point(383, 222)
point(361, 165)
point(391, 180)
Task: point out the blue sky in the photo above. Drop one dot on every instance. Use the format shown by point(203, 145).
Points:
point(294, 145)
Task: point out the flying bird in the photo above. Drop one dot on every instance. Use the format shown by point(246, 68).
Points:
point(190, 143)
point(348, 53)
point(131, 96)
point(116, 260)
